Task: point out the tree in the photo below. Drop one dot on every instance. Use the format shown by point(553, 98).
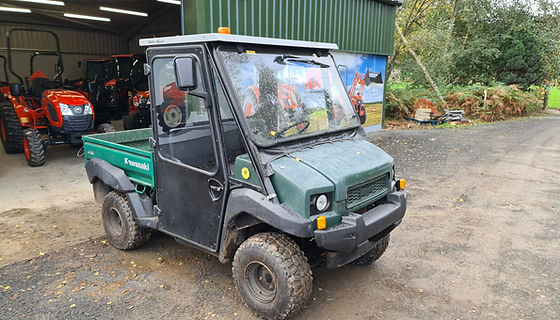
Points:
point(422, 67)
point(519, 61)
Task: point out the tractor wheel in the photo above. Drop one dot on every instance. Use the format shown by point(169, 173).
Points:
point(11, 132)
point(33, 147)
point(272, 275)
point(118, 221)
point(374, 253)
point(105, 127)
point(171, 116)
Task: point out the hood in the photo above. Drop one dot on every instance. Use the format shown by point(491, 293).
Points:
point(68, 97)
point(346, 163)
point(341, 164)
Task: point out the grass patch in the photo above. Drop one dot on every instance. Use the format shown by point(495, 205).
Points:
point(554, 98)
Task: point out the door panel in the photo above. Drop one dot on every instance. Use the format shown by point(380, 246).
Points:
point(189, 177)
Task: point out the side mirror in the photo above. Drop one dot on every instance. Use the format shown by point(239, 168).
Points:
point(16, 89)
point(185, 73)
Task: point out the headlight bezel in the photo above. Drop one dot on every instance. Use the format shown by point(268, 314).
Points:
point(65, 109)
point(313, 208)
point(88, 109)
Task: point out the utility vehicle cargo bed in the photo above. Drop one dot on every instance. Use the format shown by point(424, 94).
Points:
point(128, 150)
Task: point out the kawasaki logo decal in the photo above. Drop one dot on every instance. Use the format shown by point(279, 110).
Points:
point(143, 166)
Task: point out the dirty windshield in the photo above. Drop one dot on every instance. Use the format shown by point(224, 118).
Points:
point(288, 96)
point(99, 70)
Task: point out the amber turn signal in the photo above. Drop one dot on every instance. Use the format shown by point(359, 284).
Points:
point(321, 222)
point(401, 184)
point(224, 30)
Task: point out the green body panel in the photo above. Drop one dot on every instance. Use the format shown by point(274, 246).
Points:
point(329, 167)
point(294, 183)
point(364, 26)
point(243, 161)
point(128, 150)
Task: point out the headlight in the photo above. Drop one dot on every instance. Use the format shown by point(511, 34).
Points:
point(65, 109)
point(88, 109)
point(322, 202)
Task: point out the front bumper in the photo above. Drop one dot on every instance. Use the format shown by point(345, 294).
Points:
point(358, 233)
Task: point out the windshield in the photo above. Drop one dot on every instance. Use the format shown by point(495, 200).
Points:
point(285, 96)
point(98, 70)
point(123, 67)
point(95, 70)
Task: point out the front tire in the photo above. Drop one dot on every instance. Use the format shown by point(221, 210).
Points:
point(33, 148)
point(11, 132)
point(374, 254)
point(272, 275)
point(118, 221)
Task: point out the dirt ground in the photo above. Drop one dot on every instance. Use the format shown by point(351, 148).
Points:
point(480, 240)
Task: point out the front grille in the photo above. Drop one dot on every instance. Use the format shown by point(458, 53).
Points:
point(366, 192)
point(77, 123)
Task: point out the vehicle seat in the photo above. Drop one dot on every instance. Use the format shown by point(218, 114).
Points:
point(40, 83)
point(37, 80)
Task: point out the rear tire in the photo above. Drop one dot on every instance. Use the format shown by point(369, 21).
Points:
point(105, 127)
point(11, 132)
point(374, 254)
point(272, 275)
point(33, 147)
point(118, 221)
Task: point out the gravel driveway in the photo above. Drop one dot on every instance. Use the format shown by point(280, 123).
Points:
point(480, 240)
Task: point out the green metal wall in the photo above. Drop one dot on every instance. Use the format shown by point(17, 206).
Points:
point(364, 26)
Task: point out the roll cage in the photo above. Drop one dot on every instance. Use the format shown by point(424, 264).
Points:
point(57, 52)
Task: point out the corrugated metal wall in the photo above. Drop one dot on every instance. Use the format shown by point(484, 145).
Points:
point(167, 25)
point(364, 26)
point(75, 45)
point(80, 42)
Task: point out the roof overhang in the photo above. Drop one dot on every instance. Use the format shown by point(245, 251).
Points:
point(395, 3)
point(233, 38)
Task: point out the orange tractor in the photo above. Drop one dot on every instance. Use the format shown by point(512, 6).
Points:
point(41, 113)
point(139, 96)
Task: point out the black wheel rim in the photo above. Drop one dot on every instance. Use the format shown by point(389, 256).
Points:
point(114, 222)
point(261, 282)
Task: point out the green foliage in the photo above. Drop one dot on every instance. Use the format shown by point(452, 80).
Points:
point(519, 61)
point(480, 102)
point(480, 41)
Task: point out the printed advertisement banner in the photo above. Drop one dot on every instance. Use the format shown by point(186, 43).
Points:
point(363, 75)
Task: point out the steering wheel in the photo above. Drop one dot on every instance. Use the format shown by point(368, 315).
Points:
point(304, 125)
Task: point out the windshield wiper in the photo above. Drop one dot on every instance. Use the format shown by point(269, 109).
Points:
point(283, 58)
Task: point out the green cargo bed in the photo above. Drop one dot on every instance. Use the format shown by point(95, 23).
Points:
point(128, 150)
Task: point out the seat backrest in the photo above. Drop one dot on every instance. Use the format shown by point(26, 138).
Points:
point(37, 87)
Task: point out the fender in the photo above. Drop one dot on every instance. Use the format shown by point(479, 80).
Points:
point(247, 203)
point(99, 170)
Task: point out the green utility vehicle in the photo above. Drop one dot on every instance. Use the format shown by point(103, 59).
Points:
point(256, 156)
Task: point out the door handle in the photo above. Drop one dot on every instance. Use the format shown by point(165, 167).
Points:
point(216, 189)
